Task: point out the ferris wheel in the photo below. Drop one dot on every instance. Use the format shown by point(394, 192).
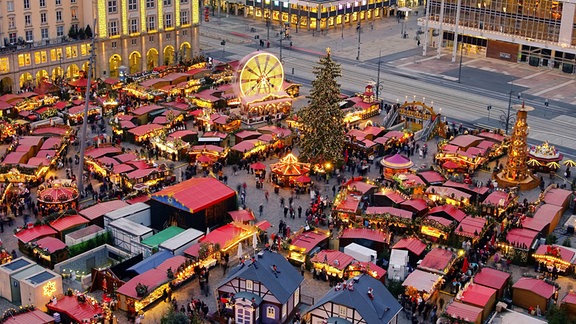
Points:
point(260, 73)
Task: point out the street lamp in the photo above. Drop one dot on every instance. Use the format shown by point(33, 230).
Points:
point(507, 118)
point(460, 65)
point(268, 22)
point(359, 29)
point(283, 33)
point(223, 43)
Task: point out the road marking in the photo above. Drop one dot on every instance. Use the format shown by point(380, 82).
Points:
point(553, 88)
point(533, 75)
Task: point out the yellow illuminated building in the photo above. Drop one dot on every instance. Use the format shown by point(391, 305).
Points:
point(45, 40)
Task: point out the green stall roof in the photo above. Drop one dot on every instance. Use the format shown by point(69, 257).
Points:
point(160, 237)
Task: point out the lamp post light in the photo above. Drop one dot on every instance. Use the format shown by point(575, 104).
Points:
point(506, 118)
point(460, 65)
point(359, 29)
point(268, 22)
point(283, 33)
point(223, 43)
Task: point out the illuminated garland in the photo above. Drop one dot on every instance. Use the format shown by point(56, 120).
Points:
point(11, 312)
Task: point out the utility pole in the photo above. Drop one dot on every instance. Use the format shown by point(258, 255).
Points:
point(359, 28)
point(460, 65)
point(85, 117)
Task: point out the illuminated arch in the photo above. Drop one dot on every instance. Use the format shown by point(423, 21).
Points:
point(135, 62)
point(26, 80)
point(41, 76)
point(72, 71)
point(114, 65)
point(185, 51)
point(57, 72)
point(169, 55)
point(151, 59)
point(6, 85)
point(85, 68)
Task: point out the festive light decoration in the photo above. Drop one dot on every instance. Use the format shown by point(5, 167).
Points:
point(49, 289)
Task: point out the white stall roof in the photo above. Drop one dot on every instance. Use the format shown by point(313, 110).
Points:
point(181, 239)
point(359, 248)
point(128, 210)
point(398, 257)
point(131, 227)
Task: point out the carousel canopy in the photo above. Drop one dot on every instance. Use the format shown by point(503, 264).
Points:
point(51, 244)
point(289, 166)
point(565, 254)
point(57, 194)
point(397, 162)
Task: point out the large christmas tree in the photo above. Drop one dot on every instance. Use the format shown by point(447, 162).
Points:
point(323, 127)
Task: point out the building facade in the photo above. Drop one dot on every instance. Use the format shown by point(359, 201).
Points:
point(50, 40)
point(539, 33)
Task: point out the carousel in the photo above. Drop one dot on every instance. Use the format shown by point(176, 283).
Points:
point(544, 158)
point(57, 197)
point(288, 169)
point(394, 164)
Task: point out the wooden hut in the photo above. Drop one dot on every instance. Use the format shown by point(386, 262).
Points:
point(531, 292)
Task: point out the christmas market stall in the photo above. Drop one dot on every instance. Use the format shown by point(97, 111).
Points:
point(463, 153)
point(555, 256)
point(76, 113)
point(144, 133)
point(494, 279)
point(422, 284)
point(57, 197)
point(77, 307)
point(371, 238)
point(287, 169)
point(497, 203)
point(557, 197)
point(393, 164)
point(431, 177)
point(357, 268)
point(437, 228)
point(545, 219)
point(531, 293)
point(67, 223)
point(479, 296)
point(26, 314)
point(389, 216)
point(304, 243)
point(438, 261)
point(410, 184)
point(27, 236)
point(353, 197)
point(518, 244)
point(448, 195)
point(413, 245)
point(460, 311)
point(544, 158)
point(331, 264)
point(214, 152)
point(362, 106)
point(471, 229)
point(389, 197)
point(95, 213)
point(49, 250)
point(569, 304)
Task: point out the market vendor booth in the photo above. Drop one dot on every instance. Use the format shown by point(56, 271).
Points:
point(518, 244)
point(331, 263)
point(557, 197)
point(545, 219)
point(27, 314)
point(529, 293)
point(438, 261)
point(494, 279)
point(27, 236)
point(370, 238)
point(352, 198)
point(49, 251)
point(95, 213)
point(145, 132)
point(389, 216)
point(479, 296)
point(544, 158)
point(437, 228)
point(460, 311)
point(569, 304)
point(497, 203)
point(471, 228)
point(422, 284)
point(394, 164)
point(357, 268)
point(77, 307)
point(555, 256)
point(413, 245)
point(304, 242)
point(66, 224)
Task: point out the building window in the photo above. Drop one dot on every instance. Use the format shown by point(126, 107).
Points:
point(167, 2)
point(151, 39)
point(249, 285)
point(29, 36)
point(84, 49)
point(112, 6)
point(43, 19)
point(44, 33)
point(24, 59)
point(168, 36)
point(72, 1)
point(184, 19)
point(55, 54)
point(58, 2)
point(114, 44)
point(59, 31)
point(26, 4)
point(74, 13)
point(183, 1)
point(151, 23)
point(184, 32)
point(113, 28)
point(150, 4)
point(133, 25)
point(12, 38)
point(168, 20)
point(4, 68)
point(27, 20)
point(11, 22)
point(42, 3)
point(10, 6)
point(270, 312)
point(342, 311)
point(134, 41)
point(132, 5)
point(71, 51)
point(58, 16)
point(40, 57)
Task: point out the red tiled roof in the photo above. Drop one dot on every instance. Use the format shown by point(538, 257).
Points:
point(245, 145)
point(364, 233)
point(51, 244)
point(102, 208)
point(30, 234)
point(336, 259)
point(195, 194)
point(565, 254)
point(242, 215)
point(536, 286)
point(411, 244)
point(478, 295)
point(556, 196)
point(466, 312)
point(491, 278)
point(521, 237)
point(389, 210)
point(450, 210)
point(145, 129)
point(437, 260)
point(471, 226)
point(308, 240)
point(66, 222)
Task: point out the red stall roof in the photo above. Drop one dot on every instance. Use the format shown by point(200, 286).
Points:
point(125, 157)
point(448, 192)
point(558, 197)
point(51, 244)
point(151, 278)
point(369, 266)
point(263, 225)
point(360, 186)
point(411, 244)
point(465, 186)
point(102, 208)
point(467, 312)
point(418, 204)
point(336, 259)
point(101, 151)
point(497, 198)
point(34, 233)
point(570, 298)
point(465, 140)
point(146, 109)
point(145, 129)
point(565, 254)
point(14, 158)
point(308, 240)
point(348, 204)
point(394, 196)
point(194, 194)
point(478, 295)
point(223, 235)
point(536, 286)
point(491, 278)
point(51, 143)
point(389, 210)
point(122, 168)
point(34, 317)
point(543, 217)
point(432, 177)
point(450, 210)
point(242, 215)
point(521, 237)
point(140, 173)
point(471, 226)
point(437, 260)
point(364, 233)
point(66, 222)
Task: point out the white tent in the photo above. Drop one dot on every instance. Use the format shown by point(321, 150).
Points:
point(397, 265)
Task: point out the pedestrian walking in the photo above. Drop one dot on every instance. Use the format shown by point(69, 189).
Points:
point(299, 211)
point(260, 210)
point(285, 211)
point(266, 195)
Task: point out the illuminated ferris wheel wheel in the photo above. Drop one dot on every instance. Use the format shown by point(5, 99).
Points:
point(260, 73)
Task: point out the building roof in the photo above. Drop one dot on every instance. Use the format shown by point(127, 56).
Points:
point(194, 194)
point(51, 244)
point(242, 215)
point(432, 177)
point(162, 236)
point(437, 260)
point(471, 226)
point(478, 295)
point(151, 278)
point(146, 109)
point(465, 140)
point(145, 129)
point(497, 198)
point(30, 234)
point(556, 196)
point(102, 208)
point(282, 285)
point(364, 233)
point(449, 210)
point(570, 298)
point(411, 244)
point(392, 195)
point(448, 192)
point(521, 237)
point(466, 312)
point(422, 280)
point(33, 317)
point(97, 152)
point(88, 230)
point(565, 253)
point(308, 240)
point(151, 262)
point(336, 259)
point(543, 217)
point(491, 278)
point(66, 222)
point(466, 187)
point(382, 307)
point(224, 235)
point(536, 286)
point(417, 204)
point(402, 213)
